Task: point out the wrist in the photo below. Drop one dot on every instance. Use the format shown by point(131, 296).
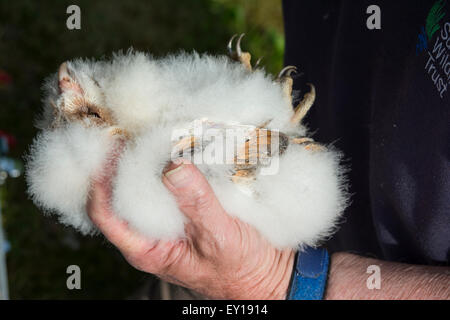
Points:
point(279, 286)
point(269, 282)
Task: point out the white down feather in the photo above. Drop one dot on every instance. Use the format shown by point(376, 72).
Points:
point(299, 205)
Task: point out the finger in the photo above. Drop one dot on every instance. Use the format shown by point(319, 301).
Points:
point(194, 195)
point(143, 253)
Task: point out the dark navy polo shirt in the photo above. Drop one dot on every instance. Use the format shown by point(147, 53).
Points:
point(383, 98)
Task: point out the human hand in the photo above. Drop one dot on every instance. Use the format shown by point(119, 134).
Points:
point(221, 257)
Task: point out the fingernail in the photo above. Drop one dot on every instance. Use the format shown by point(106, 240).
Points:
point(180, 176)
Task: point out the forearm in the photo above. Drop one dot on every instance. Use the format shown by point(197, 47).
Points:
point(348, 280)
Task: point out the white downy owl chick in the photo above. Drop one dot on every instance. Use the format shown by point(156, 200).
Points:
point(293, 194)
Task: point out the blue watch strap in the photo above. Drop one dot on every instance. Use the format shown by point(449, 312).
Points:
point(309, 275)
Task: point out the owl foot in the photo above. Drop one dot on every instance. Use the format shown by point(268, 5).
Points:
point(239, 55)
point(303, 107)
point(309, 143)
point(285, 79)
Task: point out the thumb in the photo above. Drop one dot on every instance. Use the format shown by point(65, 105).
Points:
point(194, 195)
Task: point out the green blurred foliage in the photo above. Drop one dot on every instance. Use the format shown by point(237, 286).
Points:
point(34, 40)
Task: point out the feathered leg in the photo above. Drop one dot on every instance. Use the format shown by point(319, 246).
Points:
point(286, 82)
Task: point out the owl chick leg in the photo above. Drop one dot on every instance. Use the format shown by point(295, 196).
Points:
point(286, 82)
point(239, 55)
point(309, 143)
point(246, 162)
point(303, 107)
point(257, 151)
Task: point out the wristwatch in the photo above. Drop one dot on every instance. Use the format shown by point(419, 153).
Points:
point(309, 277)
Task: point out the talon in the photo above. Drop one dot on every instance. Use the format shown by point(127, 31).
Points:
point(257, 62)
point(230, 45)
point(287, 71)
point(239, 55)
point(238, 45)
point(284, 78)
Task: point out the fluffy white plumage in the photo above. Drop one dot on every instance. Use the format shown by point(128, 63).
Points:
point(149, 98)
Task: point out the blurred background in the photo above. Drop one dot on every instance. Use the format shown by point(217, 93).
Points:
point(34, 41)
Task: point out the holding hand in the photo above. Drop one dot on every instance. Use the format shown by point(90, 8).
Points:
point(221, 256)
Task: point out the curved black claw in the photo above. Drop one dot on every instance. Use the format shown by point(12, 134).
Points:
point(287, 71)
point(230, 44)
point(258, 62)
point(238, 45)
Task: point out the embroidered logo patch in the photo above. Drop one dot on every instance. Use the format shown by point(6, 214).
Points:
point(434, 41)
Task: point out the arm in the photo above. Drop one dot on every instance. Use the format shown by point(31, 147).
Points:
point(222, 257)
point(347, 280)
